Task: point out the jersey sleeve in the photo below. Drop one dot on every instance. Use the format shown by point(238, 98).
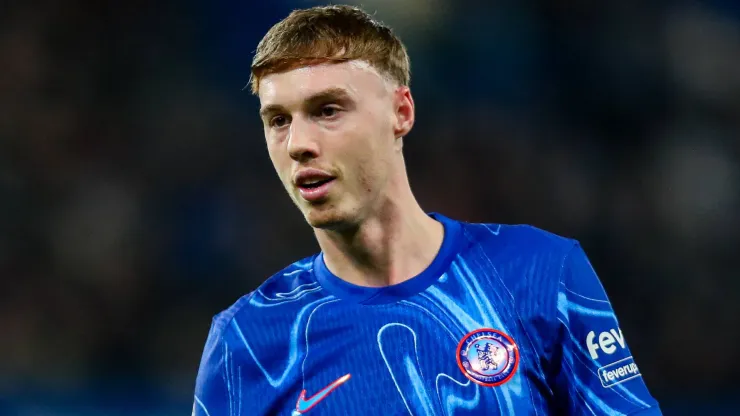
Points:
point(212, 396)
point(596, 373)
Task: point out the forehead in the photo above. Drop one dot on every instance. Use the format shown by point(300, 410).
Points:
point(357, 78)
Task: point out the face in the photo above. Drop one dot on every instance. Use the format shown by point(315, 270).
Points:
point(334, 134)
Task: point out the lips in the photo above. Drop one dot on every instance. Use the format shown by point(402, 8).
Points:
point(313, 184)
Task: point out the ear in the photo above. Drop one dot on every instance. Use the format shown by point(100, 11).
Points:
point(404, 112)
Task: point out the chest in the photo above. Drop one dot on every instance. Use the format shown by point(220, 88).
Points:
point(419, 357)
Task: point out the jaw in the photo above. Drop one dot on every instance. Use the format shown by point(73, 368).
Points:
point(328, 217)
point(374, 195)
point(340, 212)
point(348, 215)
point(325, 214)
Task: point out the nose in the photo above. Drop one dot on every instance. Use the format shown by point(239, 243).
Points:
point(302, 140)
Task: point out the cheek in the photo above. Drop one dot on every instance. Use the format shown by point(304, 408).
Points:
point(371, 154)
point(280, 161)
point(366, 180)
point(370, 170)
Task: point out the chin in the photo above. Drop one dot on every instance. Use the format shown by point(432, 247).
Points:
point(328, 218)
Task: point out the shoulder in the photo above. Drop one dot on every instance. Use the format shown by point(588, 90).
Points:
point(244, 338)
point(529, 261)
point(280, 295)
point(519, 242)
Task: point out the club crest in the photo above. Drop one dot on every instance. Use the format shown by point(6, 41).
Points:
point(488, 357)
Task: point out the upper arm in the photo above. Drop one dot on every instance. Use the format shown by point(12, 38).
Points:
point(596, 373)
point(211, 396)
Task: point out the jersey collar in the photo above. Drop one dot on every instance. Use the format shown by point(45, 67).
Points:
point(394, 293)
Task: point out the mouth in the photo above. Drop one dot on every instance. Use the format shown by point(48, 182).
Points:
point(315, 183)
point(315, 189)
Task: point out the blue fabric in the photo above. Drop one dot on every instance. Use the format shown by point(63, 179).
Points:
point(506, 320)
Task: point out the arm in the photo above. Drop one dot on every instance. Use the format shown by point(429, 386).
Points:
point(596, 373)
point(211, 396)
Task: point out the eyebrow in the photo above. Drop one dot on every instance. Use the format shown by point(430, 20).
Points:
point(335, 93)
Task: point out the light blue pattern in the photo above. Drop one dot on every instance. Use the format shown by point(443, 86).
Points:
point(301, 330)
point(202, 406)
point(292, 357)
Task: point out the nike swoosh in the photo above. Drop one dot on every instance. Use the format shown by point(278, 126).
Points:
point(304, 405)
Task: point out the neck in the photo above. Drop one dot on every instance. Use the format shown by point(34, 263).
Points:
point(390, 247)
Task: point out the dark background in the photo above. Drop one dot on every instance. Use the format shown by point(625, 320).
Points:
point(137, 198)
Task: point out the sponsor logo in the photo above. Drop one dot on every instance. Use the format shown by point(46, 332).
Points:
point(304, 405)
point(618, 372)
point(607, 341)
point(488, 357)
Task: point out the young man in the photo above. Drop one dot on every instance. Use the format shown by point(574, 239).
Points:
point(402, 312)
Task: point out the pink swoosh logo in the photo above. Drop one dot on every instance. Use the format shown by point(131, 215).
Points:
point(304, 405)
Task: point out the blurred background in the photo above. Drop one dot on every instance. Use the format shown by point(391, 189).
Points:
point(137, 199)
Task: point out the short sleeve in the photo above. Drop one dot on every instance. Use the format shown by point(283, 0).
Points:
point(596, 372)
point(211, 396)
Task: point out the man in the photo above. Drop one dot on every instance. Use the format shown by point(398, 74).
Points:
point(402, 312)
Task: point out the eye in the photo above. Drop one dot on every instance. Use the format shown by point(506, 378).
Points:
point(329, 111)
point(278, 121)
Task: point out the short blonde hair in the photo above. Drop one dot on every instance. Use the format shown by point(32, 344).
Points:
point(330, 34)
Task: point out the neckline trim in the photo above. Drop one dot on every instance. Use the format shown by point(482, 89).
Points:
point(350, 292)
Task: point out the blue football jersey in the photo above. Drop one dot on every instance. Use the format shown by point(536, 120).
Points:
point(506, 320)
